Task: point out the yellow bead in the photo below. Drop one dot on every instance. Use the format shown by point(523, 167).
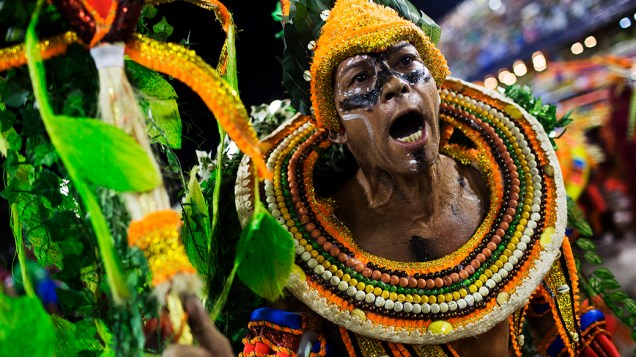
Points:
point(353, 282)
point(393, 296)
point(416, 298)
point(377, 291)
point(346, 277)
point(333, 269)
point(499, 264)
point(479, 283)
point(423, 299)
point(314, 253)
point(456, 295)
point(440, 327)
point(401, 298)
point(503, 259)
point(472, 288)
point(301, 240)
point(483, 278)
point(432, 299)
point(448, 297)
point(320, 259)
point(494, 268)
point(339, 273)
point(463, 292)
point(487, 273)
point(326, 263)
point(385, 294)
point(361, 286)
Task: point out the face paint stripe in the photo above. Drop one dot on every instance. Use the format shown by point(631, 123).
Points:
point(364, 119)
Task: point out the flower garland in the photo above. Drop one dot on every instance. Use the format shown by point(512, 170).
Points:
point(462, 294)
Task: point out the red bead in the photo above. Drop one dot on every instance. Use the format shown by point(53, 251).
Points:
point(386, 278)
point(470, 269)
point(491, 245)
point(463, 274)
point(376, 275)
point(321, 240)
point(495, 239)
point(447, 280)
point(486, 252)
point(430, 283)
point(439, 282)
point(310, 227)
point(335, 251)
point(328, 246)
point(366, 272)
point(315, 234)
point(394, 280)
point(480, 258)
point(404, 282)
point(358, 267)
point(421, 283)
point(454, 277)
point(342, 257)
point(412, 282)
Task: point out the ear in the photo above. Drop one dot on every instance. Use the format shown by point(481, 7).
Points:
point(338, 137)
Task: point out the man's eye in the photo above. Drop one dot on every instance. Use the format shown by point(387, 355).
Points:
point(406, 60)
point(360, 78)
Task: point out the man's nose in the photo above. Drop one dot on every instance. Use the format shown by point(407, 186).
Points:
point(394, 87)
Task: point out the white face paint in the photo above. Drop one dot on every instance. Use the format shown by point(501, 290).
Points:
point(348, 117)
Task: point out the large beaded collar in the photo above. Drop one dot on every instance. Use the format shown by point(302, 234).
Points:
point(459, 295)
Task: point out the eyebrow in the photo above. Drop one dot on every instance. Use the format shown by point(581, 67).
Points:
point(397, 47)
point(360, 63)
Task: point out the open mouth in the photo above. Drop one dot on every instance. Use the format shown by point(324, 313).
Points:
point(407, 128)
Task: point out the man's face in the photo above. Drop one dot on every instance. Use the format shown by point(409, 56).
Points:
point(388, 105)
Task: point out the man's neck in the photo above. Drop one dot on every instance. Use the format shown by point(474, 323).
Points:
point(425, 188)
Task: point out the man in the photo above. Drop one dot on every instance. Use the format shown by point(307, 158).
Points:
point(420, 253)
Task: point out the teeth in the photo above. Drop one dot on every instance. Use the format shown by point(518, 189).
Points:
point(411, 138)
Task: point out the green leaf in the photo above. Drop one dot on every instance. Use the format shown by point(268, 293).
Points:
point(603, 273)
point(44, 154)
point(25, 328)
point(618, 297)
point(585, 244)
point(149, 82)
point(630, 305)
point(609, 284)
point(196, 231)
point(47, 185)
point(265, 254)
point(162, 29)
point(592, 257)
point(104, 155)
point(164, 125)
point(71, 340)
point(576, 219)
point(149, 11)
point(46, 251)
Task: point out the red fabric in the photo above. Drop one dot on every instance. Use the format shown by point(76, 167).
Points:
point(607, 346)
point(101, 6)
point(589, 352)
point(261, 348)
point(248, 348)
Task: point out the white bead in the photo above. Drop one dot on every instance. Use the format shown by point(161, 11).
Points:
point(335, 281)
point(522, 246)
point(435, 308)
point(312, 263)
point(503, 273)
point(426, 308)
point(536, 179)
point(515, 131)
point(508, 265)
point(461, 303)
point(408, 307)
point(343, 285)
point(562, 289)
point(483, 291)
point(307, 75)
point(534, 171)
point(276, 213)
point(478, 296)
point(398, 307)
point(417, 308)
point(327, 275)
point(300, 249)
point(497, 277)
point(470, 300)
point(532, 164)
point(512, 260)
point(536, 186)
point(280, 220)
point(517, 253)
point(526, 239)
point(379, 301)
point(452, 305)
point(532, 225)
point(490, 283)
point(351, 291)
point(529, 231)
point(311, 45)
point(535, 216)
point(319, 269)
point(443, 307)
point(388, 304)
point(370, 298)
point(360, 295)
point(305, 256)
point(324, 15)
